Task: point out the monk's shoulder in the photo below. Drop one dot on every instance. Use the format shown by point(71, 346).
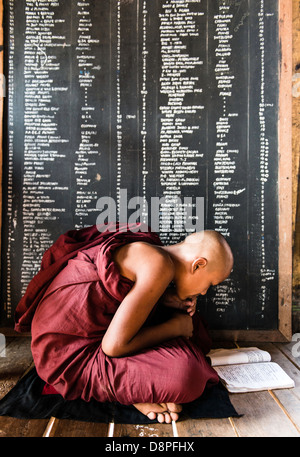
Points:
point(146, 256)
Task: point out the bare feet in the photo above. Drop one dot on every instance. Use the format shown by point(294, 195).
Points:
point(163, 412)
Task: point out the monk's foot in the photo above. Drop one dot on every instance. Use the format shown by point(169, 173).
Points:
point(163, 412)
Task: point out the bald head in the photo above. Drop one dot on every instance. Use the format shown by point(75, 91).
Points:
point(202, 260)
point(212, 246)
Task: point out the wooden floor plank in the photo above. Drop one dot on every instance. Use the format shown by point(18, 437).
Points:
point(12, 427)
point(71, 428)
point(288, 399)
point(16, 361)
point(284, 403)
point(262, 416)
point(205, 428)
point(143, 430)
point(275, 413)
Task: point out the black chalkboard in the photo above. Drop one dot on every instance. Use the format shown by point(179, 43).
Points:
point(113, 105)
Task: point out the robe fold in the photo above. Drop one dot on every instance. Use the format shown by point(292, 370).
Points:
point(69, 305)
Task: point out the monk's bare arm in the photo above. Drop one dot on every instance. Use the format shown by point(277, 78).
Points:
point(125, 334)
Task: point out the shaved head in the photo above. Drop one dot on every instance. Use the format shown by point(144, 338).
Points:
point(212, 246)
point(202, 260)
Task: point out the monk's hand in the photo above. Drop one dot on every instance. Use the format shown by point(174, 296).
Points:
point(171, 299)
point(191, 304)
point(183, 323)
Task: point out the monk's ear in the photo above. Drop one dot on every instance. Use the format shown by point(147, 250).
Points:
point(198, 263)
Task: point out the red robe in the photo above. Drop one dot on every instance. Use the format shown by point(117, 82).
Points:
point(69, 305)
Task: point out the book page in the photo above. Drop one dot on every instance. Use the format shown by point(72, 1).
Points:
point(258, 376)
point(238, 355)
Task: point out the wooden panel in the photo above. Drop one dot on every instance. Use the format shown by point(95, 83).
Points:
point(288, 399)
point(296, 163)
point(143, 430)
point(250, 335)
point(72, 428)
point(266, 413)
point(296, 113)
point(12, 427)
point(269, 413)
point(18, 358)
point(10, 332)
point(206, 428)
point(262, 416)
point(285, 173)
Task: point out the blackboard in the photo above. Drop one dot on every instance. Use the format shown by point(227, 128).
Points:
point(113, 106)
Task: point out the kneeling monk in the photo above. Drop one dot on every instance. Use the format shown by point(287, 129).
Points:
point(101, 319)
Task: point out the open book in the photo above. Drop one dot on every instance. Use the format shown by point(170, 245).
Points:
point(248, 369)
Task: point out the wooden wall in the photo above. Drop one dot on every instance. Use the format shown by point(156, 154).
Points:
point(296, 160)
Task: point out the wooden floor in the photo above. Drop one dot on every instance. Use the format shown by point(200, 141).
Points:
point(265, 414)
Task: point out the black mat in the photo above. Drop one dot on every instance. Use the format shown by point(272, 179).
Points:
point(25, 401)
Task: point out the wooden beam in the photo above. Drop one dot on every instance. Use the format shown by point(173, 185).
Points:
point(285, 172)
point(296, 165)
point(271, 336)
point(296, 109)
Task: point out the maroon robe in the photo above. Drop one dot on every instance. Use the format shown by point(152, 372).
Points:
point(70, 304)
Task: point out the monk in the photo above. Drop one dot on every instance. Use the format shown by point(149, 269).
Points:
point(116, 320)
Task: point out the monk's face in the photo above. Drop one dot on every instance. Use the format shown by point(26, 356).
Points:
point(198, 282)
